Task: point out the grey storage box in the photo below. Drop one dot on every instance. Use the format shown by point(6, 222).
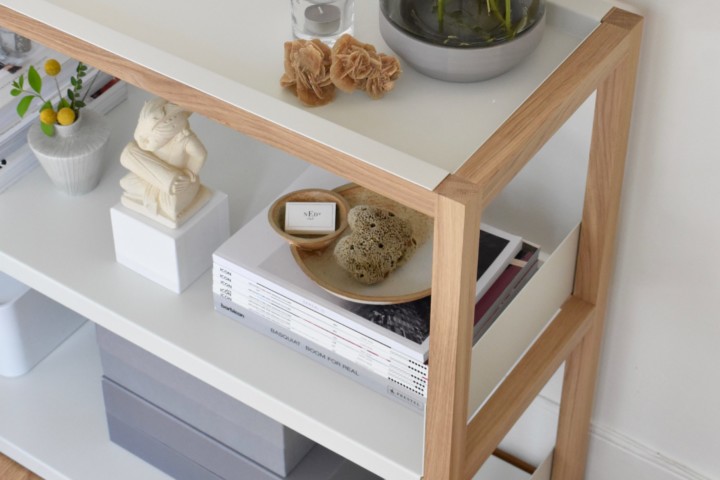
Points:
point(31, 326)
point(205, 408)
point(188, 454)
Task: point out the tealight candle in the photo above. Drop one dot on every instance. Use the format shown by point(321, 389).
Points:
point(326, 20)
point(322, 19)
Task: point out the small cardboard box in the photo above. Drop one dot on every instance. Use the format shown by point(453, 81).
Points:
point(31, 326)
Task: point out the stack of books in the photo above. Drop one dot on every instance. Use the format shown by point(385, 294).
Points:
point(16, 159)
point(384, 347)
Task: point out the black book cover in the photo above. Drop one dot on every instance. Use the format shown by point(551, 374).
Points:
point(412, 319)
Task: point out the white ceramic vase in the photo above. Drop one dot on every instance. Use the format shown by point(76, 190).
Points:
point(74, 157)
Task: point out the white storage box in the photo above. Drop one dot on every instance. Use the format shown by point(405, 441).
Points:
point(31, 326)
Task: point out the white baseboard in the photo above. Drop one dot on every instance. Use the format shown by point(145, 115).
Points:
point(615, 456)
point(612, 454)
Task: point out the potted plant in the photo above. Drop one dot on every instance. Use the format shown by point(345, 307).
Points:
point(68, 141)
point(462, 40)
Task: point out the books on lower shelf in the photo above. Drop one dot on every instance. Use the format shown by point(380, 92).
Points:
point(385, 347)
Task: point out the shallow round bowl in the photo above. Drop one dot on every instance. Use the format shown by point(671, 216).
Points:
point(276, 217)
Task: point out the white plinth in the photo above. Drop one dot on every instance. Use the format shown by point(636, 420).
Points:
point(174, 258)
point(31, 326)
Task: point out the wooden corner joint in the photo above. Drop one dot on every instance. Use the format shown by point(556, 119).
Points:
point(461, 190)
point(622, 18)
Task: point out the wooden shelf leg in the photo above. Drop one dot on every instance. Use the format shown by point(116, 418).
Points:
point(596, 251)
point(457, 232)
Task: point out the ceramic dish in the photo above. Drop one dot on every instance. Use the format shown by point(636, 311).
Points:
point(409, 282)
point(276, 217)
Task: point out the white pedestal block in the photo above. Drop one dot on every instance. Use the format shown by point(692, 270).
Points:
point(31, 326)
point(174, 258)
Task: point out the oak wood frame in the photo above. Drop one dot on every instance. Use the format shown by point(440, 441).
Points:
point(454, 449)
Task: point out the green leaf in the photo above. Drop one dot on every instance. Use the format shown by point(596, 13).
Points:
point(48, 130)
point(24, 104)
point(73, 81)
point(71, 95)
point(79, 104)
point(62, 104)
point(46, 105)
point(34, 79)
point(21, 82)
point(15, 92)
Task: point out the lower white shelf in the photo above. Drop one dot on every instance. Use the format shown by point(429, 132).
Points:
point(52, 421)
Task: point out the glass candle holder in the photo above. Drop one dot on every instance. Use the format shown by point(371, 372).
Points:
point(327, 20)
point(14, 45)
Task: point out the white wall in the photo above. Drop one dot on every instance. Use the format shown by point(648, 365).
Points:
point(659, 386)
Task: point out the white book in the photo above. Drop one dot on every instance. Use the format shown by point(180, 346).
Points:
point(264, 299)
point(321, 354)
point(265, 257)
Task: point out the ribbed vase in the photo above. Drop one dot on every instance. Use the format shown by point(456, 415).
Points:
point(74, 158)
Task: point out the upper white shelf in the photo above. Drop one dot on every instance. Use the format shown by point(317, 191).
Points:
point(422, 131)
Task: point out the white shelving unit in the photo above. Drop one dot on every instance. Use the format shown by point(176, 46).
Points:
point(224, 59)
point(76, 266)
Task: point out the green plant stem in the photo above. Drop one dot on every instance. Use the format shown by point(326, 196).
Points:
point(57, 85)
point(508, 16)
point(441, 15)
point(89, 87)
point(505, 20)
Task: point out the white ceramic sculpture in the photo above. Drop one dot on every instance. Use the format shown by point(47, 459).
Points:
point(164, 162)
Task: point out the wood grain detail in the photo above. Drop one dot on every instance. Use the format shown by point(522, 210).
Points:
point(596, 251)
point(222, 112)
point(457, 232)
point(525, 381)
point(9, 470)
point(507, 151)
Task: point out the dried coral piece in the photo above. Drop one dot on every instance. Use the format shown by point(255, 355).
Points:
point(307, 71)
point(378, 85)
point(353, 62)
point(358, 66)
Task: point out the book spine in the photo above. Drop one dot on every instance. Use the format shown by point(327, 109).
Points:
point(521, 277)
point(269, 294)
point(319, 354)
point(382, 342)
point(342, 342)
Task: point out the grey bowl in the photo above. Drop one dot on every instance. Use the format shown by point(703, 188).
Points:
point(457, 64)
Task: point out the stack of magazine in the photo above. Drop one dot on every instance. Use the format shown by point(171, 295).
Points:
point(16, 159)
point(384, 347)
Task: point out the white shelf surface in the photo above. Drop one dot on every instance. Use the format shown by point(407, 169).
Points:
point(62, 246)
point(52, 421)
point(421, 131)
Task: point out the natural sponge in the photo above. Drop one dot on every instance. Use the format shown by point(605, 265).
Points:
point(379, 243)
